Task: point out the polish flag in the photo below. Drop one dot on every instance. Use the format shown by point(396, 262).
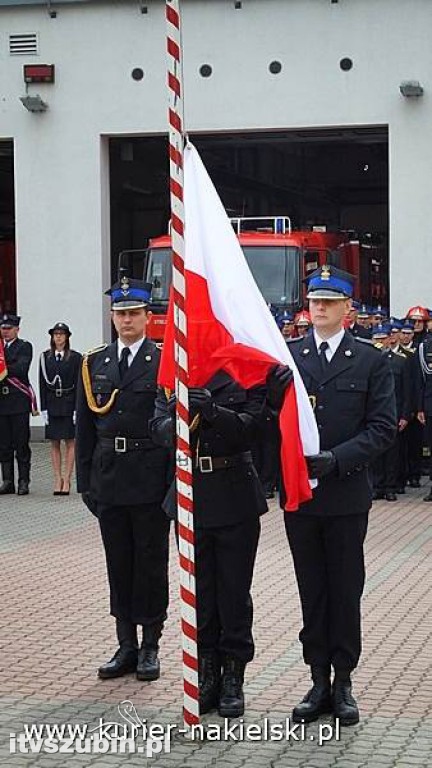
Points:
point(3, 366)
point(230, 327)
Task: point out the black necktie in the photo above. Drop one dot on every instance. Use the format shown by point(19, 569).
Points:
point(58, 357)
point(123, 364)
point(323, 357)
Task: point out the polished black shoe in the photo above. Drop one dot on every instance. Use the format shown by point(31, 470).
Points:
point(231, 700)
point(414, 483)
point(148, 667)
point(7, 487)
point(429, 496)
point(317, 700)
point(345, 707)
point(377, 495)
point(391, 497)
point(23, 488)
point(123, 662)
point(209, 679)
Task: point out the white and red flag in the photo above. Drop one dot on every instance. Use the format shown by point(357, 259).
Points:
point(230, 326)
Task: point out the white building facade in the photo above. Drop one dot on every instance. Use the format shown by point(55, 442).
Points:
point(61, 162)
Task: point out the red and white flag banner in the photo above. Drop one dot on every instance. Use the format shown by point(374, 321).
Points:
point(230, 325)
point(3, 366)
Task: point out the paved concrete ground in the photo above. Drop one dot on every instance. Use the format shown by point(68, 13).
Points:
point(55, 630)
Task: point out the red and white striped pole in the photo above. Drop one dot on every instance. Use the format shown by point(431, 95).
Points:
point(183, 453)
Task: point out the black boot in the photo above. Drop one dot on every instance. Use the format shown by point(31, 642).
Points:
point(231, 700)
point(344, 704)
point(209, 676)
point(125, 658)
point(317, 700)
point(8, 485)
point(426, 498)
point(148, 667)
point(23, 478)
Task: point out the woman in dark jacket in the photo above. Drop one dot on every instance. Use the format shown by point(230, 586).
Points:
point(59, 368)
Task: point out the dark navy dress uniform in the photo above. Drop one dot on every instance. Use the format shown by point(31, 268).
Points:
point(351, 389)
point(228, 502)
point(355, 411)
point(127, 476)
point(15, 409)
point(123, 477)
point(386, 468)
point(423, 394)
point(58, 380)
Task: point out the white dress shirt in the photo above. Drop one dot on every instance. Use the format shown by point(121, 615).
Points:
point(133, 349)
point(333, 342)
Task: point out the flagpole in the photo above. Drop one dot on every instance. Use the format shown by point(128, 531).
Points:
point(183, 452)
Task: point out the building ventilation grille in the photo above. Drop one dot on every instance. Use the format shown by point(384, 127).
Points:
point(23, 45)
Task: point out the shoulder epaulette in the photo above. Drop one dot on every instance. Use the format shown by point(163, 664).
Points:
point(400, 354)
point(96, 349)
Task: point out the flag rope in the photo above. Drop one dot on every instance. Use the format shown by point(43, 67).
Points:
point(183, 451)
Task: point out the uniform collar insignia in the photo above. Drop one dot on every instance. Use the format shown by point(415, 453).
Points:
point(107, 359)
point(148, 357)
point(348, 353)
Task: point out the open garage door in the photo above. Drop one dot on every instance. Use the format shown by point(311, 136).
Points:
point(7, 229)
point(334, 179)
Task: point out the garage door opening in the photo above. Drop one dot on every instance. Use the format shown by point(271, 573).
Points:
point(7, 229)
point(333, 180)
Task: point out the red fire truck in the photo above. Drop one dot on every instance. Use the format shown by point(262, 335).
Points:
point(279, 258)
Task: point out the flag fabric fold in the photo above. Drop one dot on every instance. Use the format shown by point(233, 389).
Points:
point(230, 326)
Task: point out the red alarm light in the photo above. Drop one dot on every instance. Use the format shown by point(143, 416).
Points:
point(38, 73)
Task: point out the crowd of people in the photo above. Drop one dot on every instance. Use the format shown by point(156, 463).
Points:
point(369, 380)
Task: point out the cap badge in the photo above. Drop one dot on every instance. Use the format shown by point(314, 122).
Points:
point(148, 357)
point(124, 283)
point(325, 272)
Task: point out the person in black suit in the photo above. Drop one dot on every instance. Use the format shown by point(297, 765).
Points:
point(228, 502)
point(354, 327)
point(17, 401)
point(123, 478)
point(59, 368)
point(423, 396)
point(351, 389)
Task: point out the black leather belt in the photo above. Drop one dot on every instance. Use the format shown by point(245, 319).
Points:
point(205, 464)
point(125, 444)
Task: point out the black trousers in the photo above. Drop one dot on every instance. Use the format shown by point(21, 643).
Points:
point(386, 468)
point(428, 438)
point(15, 438)
point(225, 559)
point(136, 541)
point(329, 566)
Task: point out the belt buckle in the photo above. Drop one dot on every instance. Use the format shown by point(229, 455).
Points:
point(120, 444)
point(58, 392)
point(205, 464)
point(5, 390)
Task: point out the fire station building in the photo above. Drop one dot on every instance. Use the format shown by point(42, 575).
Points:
point(317, 109)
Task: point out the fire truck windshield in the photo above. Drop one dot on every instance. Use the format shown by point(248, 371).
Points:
point(276, 270)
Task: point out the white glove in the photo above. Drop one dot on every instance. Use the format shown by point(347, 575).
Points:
point(74, 417)
point(44, 415)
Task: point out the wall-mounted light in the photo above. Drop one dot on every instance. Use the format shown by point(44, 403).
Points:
point(34, 103)
point(411, 89)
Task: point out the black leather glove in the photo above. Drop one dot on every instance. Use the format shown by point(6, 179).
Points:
point(201, 401)
point(278, 379)
point(90, 502)
point(171, 405)
point(321, 464)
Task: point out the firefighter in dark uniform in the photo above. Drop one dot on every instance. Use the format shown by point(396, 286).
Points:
point(424, 396)
point(386, 470)
point(351, 388)
point(363, 320)
point(123, 478)
point(228, 502)
point(412, 436)
point(354, 326)
point(16, 404)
